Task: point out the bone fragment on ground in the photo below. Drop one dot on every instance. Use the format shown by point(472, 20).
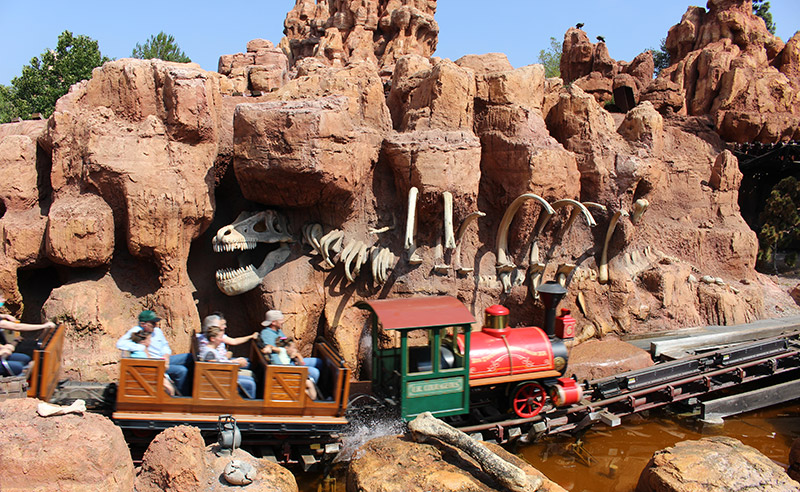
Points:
point(449, 236)
point(639, 208)
point(48, 409)
point(602, 274)
point(512, 477)
point(462, 229)
point(503, 263)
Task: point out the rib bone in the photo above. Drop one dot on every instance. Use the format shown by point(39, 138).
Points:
point(449, 237)
point(602, 274)
point(331, 241)
point(411, 220)
point(502, 231)
point(462, 229)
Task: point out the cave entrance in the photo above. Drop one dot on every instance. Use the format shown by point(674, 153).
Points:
point(35, 285)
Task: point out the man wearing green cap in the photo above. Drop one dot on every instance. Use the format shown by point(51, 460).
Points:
point(177, 367)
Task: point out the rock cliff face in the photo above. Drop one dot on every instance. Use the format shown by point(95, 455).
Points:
point(387, 173)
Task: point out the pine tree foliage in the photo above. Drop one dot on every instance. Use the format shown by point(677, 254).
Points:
point(780, 220)
point(161, 46)
point(761, 9)
point(551, 59)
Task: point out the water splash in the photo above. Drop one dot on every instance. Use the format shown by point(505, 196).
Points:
point(364, 426)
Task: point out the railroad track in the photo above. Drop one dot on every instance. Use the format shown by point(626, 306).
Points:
point(719, 381)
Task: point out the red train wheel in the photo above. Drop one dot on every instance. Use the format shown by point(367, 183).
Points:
point(528, 400)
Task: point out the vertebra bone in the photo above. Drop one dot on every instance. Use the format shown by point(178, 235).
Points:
point(639, 208)
point(563, 272)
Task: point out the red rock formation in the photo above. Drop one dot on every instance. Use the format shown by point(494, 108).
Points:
point(731, 67)
point(382, 464)
point(177, 460)
point(41, 453)
point(712, 463)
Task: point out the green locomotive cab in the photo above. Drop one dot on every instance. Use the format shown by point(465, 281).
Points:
point(420, 348)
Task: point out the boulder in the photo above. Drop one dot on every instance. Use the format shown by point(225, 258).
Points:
point(18, 190)
point(178, 460)
point(714, 464)
point(643, 124)
point(597, 359)
point(72, 453)
point(398, 464)
point(666, 96)
point(80, 231)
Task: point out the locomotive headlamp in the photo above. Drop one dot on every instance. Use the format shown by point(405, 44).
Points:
point(559, 364)
point(496, 317)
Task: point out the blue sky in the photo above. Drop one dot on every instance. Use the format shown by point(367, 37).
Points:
point(205, 30)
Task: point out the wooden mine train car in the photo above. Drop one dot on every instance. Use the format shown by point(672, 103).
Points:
point(42, 376)
point(281, 413)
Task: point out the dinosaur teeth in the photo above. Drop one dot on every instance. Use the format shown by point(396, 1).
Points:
point(232, 273)
point(220, 246)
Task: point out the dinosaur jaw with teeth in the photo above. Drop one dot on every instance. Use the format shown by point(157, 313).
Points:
point(248, 232)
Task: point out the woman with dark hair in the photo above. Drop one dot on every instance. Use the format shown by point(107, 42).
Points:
point(11, 363)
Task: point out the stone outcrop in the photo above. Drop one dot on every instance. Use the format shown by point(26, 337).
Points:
point(731, 67)
point(715, 464)
point(597, 359)
point(342, 32)
point(263, 68)
point(383, 463)
point(178, 460)
point(39, 453)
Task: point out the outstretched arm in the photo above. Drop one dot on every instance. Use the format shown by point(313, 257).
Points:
point(7, 324)
point(239, 340)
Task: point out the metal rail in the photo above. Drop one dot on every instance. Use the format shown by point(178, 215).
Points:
point(770, 361)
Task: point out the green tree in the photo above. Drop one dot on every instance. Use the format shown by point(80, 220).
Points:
point(161, 46)
point(7, 110)
point(551, 59)
point(780, 220)
point(761, 9)
point(660, 56)
point(50, 76)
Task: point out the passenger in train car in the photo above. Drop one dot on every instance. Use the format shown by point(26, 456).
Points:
point(11, 363)
point(270, 335)
point(211, 353)
point(218, 319)
point(178, 368)
point(144, 338)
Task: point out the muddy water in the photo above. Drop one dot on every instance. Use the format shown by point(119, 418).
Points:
point(613, 458)
point(618, 455)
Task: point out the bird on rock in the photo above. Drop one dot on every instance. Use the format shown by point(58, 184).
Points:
point(601, 39)
point(579, 25)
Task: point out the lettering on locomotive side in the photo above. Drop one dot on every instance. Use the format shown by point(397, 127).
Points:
point(418, 389)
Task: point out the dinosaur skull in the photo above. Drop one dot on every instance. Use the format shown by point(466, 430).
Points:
point(247, 231)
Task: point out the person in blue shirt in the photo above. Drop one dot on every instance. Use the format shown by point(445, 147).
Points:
point(270, 335)
point(178, 369)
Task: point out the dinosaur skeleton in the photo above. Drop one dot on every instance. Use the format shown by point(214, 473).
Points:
point(247, 231)
point(504, 265)
point(352, 254)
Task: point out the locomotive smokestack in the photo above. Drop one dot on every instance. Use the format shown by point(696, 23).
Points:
point(551, 294)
